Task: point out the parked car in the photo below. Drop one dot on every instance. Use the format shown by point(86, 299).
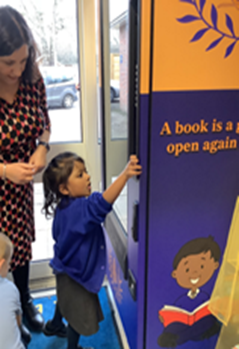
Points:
point(114, 89)
point(60, 86)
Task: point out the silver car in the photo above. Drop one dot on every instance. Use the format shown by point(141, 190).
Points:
point(60, 85)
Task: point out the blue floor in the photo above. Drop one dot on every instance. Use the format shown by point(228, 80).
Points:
point(106, 337)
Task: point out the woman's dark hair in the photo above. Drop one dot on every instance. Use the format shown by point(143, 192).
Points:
point(14, 32)
point(57, 173)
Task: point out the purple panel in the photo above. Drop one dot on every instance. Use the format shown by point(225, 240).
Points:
point(191, 196)
point(143, 151)
point(126, 306)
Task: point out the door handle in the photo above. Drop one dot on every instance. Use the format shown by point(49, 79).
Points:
point(134, 228)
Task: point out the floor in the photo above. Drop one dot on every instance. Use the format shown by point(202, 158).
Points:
point(125, 345)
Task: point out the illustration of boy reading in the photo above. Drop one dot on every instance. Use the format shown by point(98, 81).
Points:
point(189, 317)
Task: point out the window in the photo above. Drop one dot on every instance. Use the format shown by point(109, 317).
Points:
point(55, 29)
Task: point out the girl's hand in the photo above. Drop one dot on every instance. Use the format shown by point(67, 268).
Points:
point(133, 168)
point(19, 172)
point(38, 159)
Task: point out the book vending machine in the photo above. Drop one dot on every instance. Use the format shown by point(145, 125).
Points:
point(180, 210)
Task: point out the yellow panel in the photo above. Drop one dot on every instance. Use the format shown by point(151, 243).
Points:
point(145, 45)
point(182, 64)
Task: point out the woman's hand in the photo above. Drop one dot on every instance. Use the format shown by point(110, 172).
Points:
point(38, 158)
point(19, 172)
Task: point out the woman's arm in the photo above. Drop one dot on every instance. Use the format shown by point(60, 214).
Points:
point(38, 158)
point(45, 137)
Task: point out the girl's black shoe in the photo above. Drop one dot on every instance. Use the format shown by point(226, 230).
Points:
point(50, 330)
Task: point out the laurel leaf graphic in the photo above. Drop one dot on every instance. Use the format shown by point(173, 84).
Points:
point(214, 16)
point(229, 49)
point(202, 3)
point(187, 19)
point(214, 43)
point(199, 7)
point(199, 34)
point(230, 24)
point(188, 1)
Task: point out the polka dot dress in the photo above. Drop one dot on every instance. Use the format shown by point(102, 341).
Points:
point(21, 123)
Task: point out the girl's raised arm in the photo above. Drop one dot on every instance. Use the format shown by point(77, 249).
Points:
point(132, 169)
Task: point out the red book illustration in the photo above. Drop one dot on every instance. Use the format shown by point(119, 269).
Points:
point(172, 314)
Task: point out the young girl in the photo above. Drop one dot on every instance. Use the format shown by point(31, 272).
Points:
point(79, 260)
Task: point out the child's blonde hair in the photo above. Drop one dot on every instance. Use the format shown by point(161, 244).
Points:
point(5, 246)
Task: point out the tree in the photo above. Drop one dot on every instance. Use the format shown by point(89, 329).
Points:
point(48, 22)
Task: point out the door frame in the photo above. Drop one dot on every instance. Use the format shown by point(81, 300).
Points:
point(89, 148)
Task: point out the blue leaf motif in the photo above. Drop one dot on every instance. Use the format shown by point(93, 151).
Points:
point(199, 34)
point(202, 3)
point(188, 1)
point(187, 19)
point(230, 24)
point(229, 49)
point(214, 43)
point(214, 16)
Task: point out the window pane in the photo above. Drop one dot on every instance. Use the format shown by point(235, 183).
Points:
point(119, 32)
point(119, 68)
point(54, 26)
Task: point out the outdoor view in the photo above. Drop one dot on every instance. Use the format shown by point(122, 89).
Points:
point(119, 68)
point(54, 26)
point(119, 32)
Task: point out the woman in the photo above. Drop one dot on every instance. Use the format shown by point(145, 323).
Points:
point(24, 136)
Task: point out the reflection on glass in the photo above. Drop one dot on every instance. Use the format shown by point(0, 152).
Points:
point(119, 33)
point(54, 26)
point(119, 68)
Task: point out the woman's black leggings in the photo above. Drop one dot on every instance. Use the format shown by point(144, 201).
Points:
point(21, 280)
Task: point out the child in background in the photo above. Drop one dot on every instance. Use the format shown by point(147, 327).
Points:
point(79, 260)
point(10, 306)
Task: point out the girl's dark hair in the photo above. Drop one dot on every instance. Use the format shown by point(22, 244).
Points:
point(57, 173)
point(14, 32)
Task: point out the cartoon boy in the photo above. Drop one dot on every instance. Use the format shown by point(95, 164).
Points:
point(193, 267)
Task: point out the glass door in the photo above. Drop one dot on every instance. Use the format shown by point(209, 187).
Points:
point(114, 54)
point(115, 15)
point(118, 80)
